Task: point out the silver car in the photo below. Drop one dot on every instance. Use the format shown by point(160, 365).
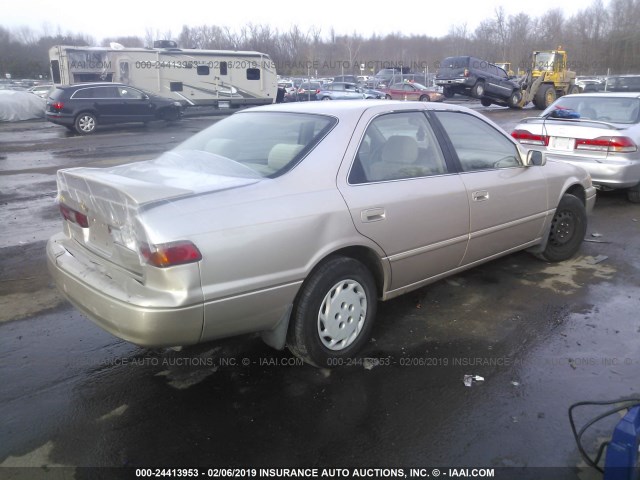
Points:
point(599, 132)
point(293, 220)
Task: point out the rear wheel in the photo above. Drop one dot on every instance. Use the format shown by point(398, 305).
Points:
point(485, 102)
point(568, 228)
point(85, 123)
point(326, 98)
point(478, 89)
point(388, 97)
point(333, 313)
point(633, 194)
point(573, 89)
point(448, 92)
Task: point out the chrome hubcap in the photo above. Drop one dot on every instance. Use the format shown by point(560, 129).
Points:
point(86, 124)
point(342, 315)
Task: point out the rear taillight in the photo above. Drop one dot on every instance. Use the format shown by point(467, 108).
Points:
point(57, 105)
point(74, 216)
point(607, 144)
point(527, 138)
point(170, 254)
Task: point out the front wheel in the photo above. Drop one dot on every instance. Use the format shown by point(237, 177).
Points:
point(514, 99)
point(326, 98)
point(568, 228)
point(448, 92)
point(425, 98)
point(85, 123)
point(333, 313)
point(485, 102)
point(388, 97)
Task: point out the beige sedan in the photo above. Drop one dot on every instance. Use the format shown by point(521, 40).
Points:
point(294, 220)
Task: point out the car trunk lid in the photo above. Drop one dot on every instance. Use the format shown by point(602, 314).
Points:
point(584, 140)
point(110, 202)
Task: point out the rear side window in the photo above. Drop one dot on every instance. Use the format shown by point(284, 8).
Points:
point(477, 144)
point(96, 92)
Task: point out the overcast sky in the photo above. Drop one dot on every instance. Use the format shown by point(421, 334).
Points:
point(114, 18)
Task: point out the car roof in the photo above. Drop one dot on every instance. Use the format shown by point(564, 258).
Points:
point(355, 107)
point(92, 84)
point(607, 94)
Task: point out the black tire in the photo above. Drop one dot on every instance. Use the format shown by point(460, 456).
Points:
point(343, 337)
point(448, 92)
point(544, 97)
point(478, 89)
point(85, 123)
point(388, 97)
point(514, 99)
point(171, 115)
point(486, 102)
point(568, 228)
point(425, 98)
point(633, 194)
point(573, 89)
point(326, 98)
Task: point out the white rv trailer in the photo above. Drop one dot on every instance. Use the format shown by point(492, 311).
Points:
point(222, 78)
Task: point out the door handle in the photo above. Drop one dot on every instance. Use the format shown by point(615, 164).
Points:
point(480, 196)
point(373, 215)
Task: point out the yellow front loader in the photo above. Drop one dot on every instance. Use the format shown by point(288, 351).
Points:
point(548, 79)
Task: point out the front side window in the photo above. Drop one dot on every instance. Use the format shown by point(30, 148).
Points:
point(130, 93)
point(397, 146)
point(477, 144)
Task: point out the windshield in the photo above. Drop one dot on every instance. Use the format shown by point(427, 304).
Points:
point(544, 61)
point(264, 144)
point(604, 108)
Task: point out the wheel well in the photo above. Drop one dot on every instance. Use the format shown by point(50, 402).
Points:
point(369, 259)
point(578, 191)
point(86, 111)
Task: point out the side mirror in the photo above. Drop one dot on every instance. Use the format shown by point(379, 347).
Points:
point(536, 158)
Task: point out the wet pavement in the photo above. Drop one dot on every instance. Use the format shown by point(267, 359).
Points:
point(542, 336)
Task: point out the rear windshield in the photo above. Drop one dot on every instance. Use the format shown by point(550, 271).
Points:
point(455, 62)
point(257, 144)
point(603, 108)
point(56, 93)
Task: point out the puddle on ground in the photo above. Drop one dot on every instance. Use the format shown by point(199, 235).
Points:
point(567, 277)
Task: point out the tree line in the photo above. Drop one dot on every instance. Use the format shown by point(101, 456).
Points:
point(599, 39)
